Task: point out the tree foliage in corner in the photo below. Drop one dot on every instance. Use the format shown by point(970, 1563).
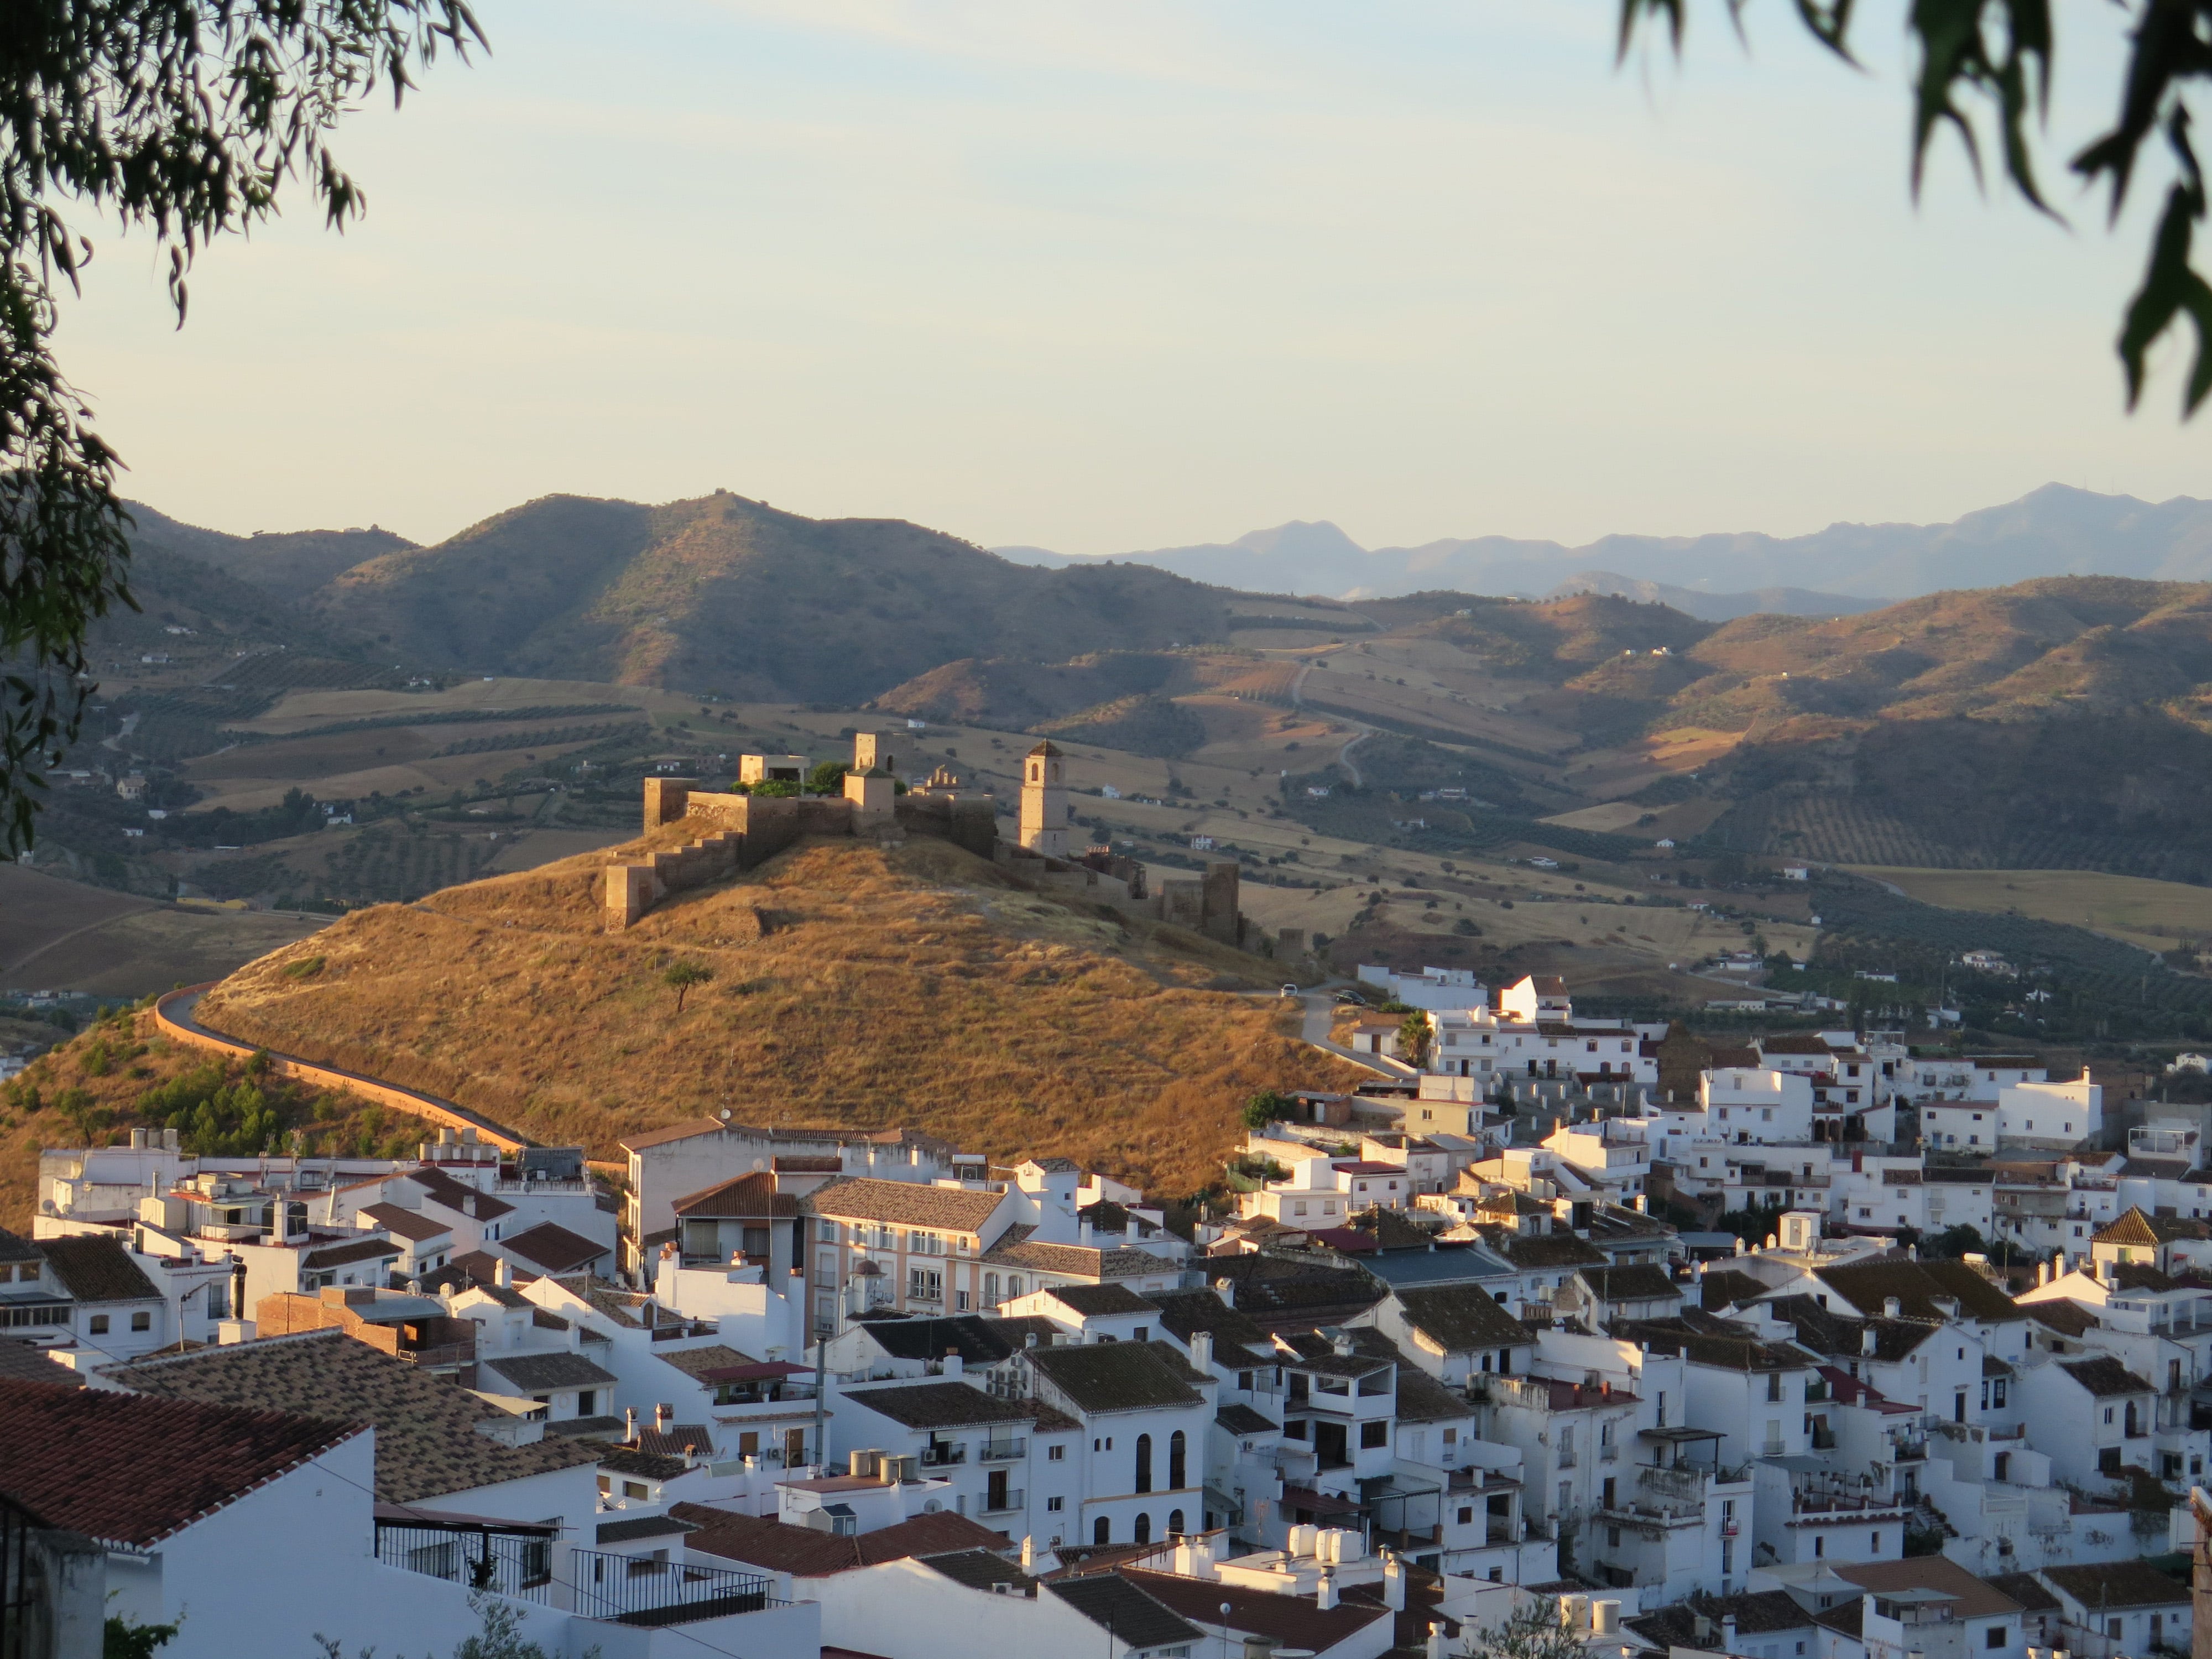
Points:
point(184, 117)
point(1985, 73)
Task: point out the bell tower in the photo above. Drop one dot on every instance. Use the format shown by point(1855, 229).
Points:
point(1044, 801)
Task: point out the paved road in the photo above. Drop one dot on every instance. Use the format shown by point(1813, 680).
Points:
point(1320, 1008)
point(1344, 755)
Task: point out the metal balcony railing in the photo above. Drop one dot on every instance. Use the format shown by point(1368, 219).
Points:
point(631, 1589)
point(939, 1457)
point(1005, 1503)
point(1002, 1451)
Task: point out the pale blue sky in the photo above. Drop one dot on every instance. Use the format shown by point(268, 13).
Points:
point(1129, 274)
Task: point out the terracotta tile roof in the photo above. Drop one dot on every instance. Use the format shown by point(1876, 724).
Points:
point(981, 1570)
point(904, 1204)
point(745, 1197)
point(1972, 1597)
point(554, 1248)
point(2025, 1589)
point(1237, 1341)
point(409, 1224)
point(2134, 1227)
point(427, 1440)
point(808, 1165)
point(125, 1469)
point(2061, 1316)
point(636, 1459)
point(778, 1546)
point(96, 1269)
point(1556, 1250)
point(1461, 1317)
point(536, 1373)
point(1839, 1336)
point(1116, 1376)
point(2103, 1377)
point(942, 1405)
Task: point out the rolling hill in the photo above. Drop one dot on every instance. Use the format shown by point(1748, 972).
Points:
point(853, 987)
point(727, 595)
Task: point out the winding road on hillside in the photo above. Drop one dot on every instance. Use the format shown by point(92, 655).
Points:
point(1313, 1031)
point(1344, 755)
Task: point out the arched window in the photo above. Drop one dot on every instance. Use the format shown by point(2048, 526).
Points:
point(1175, 1524)
point(1102, 1532)
point(1144, 1464)
point(1176, 1481)
point(1013, 1286)
point(1143, 1534)
point(990, 1290)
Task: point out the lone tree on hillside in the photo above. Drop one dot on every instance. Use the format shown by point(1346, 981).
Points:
point(1267, 1107)
point(185, 118)
point(683, 975)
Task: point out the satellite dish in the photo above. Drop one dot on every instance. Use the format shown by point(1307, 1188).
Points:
point(725, 1114)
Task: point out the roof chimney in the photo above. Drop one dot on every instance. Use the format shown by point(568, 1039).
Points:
point(503, 1275)
point(663, 1417)
point(1201, 1351)
point(1728, 1632)
point(953, 1362)
point(1891, 1308)
point(630, 1424)
point(1325, 1597)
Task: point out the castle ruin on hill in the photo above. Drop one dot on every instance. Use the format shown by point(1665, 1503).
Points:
point(733, 832)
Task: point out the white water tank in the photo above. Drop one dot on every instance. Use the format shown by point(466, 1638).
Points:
point(1351, 1545)
point(1605, 1617)
point(1301, 1540)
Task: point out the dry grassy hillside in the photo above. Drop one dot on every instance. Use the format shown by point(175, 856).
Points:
point(728, 595)
point(854, 987)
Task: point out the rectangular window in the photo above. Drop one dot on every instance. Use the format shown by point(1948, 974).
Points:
point(1055, 1454)
point(100, 1328)
point(1374, 1434)
point(633, 1489)
point(142, 1321)
point(1055, 1504)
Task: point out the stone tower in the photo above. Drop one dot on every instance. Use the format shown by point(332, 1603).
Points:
point(869, 753)
point(1044, 802)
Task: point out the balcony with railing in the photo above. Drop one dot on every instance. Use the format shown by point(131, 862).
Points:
point(1002, 1451)
point(943, 1456)
point(1005, 1503)
point(629, 1589)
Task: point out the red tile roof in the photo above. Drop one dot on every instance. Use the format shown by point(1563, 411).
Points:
point(132, 1469)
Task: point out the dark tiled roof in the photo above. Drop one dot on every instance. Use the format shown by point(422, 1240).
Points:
point(2025, 1589)
point(127, 1469)
point(1236, 1416)
point(778, 1546)
point(1973, 1598)
point(1723, 1287)
point(458, 1195)
point(1269, 1290)
point(426, 1441)
point(344, 1255)
point(1761, 1614)
point(1293, 1621)
point(981, 1570)
point(2061, 1316)
point(650, 1526)
point(14, 1247)
point(636, 1459)
point(96, 1269)
point(1839, 1336)
point(1554, 1250)
point(544, 1372)
point(2104, 1376)
point(695, 1363)
point(1640, 1283)
point(409, 1224)
point(743, 1198)
point(2117, 1584)
point(1915, 1284)
point(1117, 1606)
point(973, 1338)
point(1422, 1399)
point(1093, 1300)
point(944, 1405)
point(1461, 1317)
point(554, 1248)
point(2138, 1276)
point(1725, 1348)
point(27, 1362)
point(1115, 1377)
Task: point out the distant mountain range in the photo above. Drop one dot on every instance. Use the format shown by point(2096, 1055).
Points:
point(2053, 532)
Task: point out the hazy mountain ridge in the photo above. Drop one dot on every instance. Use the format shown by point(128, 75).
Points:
point(2054, 531)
